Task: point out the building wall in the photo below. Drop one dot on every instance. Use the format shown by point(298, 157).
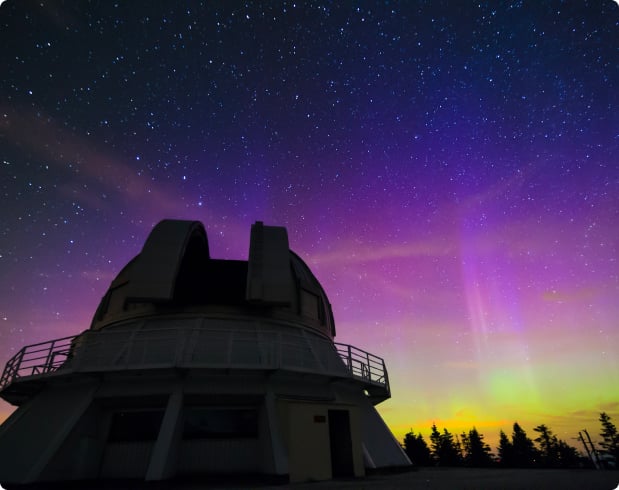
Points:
point(126, 459)
point(383, 450)
point(80, 455)
point(308, 440)
point(292, 437)
point(35, 432)
point(219, 456)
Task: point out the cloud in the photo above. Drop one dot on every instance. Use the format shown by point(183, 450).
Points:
point(460, 422)
point(459, 365)
point(98, 275)
point(609, 407)
point(582, 294)
point(101, 173)
point(354, 253)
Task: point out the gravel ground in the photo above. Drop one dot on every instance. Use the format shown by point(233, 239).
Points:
point(466, 479)
point(421, 479)
point(482, 479)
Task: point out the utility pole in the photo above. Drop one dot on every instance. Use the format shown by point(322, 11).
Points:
point(588, 452)
point(594, 451)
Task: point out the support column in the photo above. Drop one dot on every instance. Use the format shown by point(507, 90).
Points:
point(278, 450)
point(51, 418)
point(163, 459)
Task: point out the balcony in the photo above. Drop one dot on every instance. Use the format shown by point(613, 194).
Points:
point(196, 345)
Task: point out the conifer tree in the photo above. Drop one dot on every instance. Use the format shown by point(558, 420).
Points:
point(451, 451)
point(417, 449)
point(444, 449)
point(460, 445)
point(610, 436)
point(547, 445)
point(567, 456)
point(477, 452)
point(555, 453)
point(435, 443)
point(506, 450)
point(524, 452)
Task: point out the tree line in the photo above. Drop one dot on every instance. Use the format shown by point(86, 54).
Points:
point(545, 450)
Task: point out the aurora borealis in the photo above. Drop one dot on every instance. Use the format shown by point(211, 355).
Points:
point(448, 170)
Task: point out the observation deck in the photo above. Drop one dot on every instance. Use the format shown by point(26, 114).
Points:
point(192, 344)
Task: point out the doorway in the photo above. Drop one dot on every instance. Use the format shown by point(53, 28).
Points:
point(340, 442)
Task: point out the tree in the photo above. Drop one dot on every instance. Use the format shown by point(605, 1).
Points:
point(460, 445)
point(610, 436)
point(444, 449)
point(435, 443)
point(477, 452)
point(547, 444)
point(506, 450)
point(417, 450)
point(555, 453)
point(524, 453)
point(451, 452)
point(567, 456)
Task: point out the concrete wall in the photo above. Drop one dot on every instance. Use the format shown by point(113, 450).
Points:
point(382, 449)
point(79, 457)
point(62, 433)
point(308, 442)
point(31, 437)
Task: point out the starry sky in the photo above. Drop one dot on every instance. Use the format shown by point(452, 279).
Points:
point(448, 170)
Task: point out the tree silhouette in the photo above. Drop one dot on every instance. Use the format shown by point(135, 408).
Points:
point(417, 450)
point(520, 452)
point(470, 449)
point(444, 449)
point(524, 453)
point(506, 450)
point(547, 444)
point(555, 453)
point(610, 436)
point(476, 451)
point(567, 456)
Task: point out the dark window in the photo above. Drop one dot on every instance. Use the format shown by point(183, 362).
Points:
point(309, 305)
point(137, 425)
point(220, 423)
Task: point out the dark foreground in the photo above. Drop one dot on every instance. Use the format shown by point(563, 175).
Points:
point(421, 479)
point(480, 479)
point(459, 479)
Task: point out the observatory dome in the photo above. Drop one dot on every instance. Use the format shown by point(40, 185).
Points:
point(175, 274)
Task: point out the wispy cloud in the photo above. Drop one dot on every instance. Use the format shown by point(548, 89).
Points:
point(101, 172)
point(354, 253)
point(581, 294)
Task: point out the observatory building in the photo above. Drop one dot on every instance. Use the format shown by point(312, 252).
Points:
point(199, 366)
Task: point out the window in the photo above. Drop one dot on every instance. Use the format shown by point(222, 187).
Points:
point(135, 425)
point(220, 423)
point(311, 305)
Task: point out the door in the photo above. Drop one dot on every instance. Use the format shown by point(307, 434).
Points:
point(341, 444)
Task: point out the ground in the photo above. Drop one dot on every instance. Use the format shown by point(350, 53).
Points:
point(469, 479)
point(421, 479)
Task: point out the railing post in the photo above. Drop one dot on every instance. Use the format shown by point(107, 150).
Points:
point(19, 359)
point(349, 359)
point(386, 376)
point(48, 359)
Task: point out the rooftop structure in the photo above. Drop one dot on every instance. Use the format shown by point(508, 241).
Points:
point(199, 366)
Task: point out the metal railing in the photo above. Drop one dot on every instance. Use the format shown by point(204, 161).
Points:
point(41, 358)
point(198, 347)
point(363, 365)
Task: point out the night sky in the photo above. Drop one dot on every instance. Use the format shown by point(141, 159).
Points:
point(448, 170)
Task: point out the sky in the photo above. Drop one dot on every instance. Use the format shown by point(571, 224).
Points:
point(448, 170)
